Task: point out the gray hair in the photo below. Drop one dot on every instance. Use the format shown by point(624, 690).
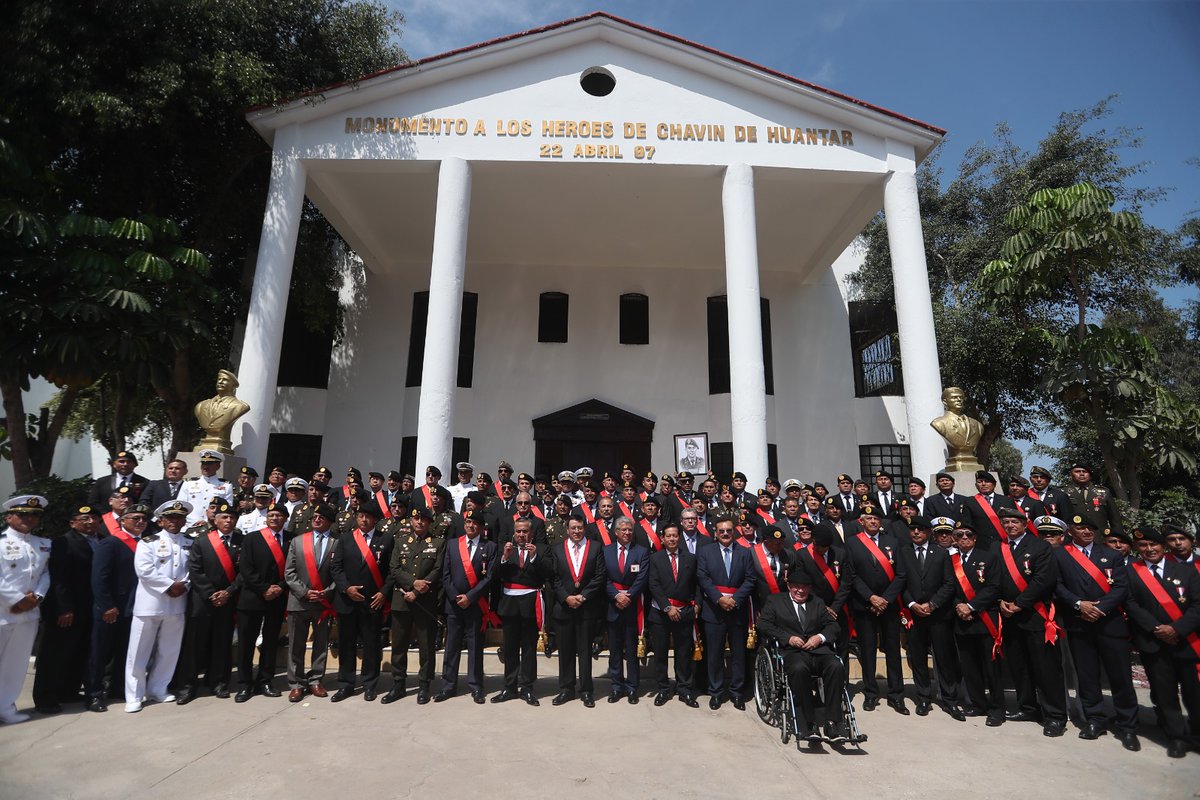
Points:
point(617, 522)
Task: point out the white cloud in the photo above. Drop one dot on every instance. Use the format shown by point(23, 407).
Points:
point(435, 26)
point(825, 73)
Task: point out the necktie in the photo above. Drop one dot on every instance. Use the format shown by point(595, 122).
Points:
point(174, 490)
point(521, 558)
point(728, 556)
point(470, 548)
point(1087, 552)
point(691, 543)
point(621, 559)
point(320, 542)
point(674, 566)
point(921, 558)
point(1154, 569)
point(774, 566)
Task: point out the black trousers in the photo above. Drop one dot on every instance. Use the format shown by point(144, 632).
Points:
point(1169, 678)
point(875, 632)
point(1037, 673)
point(801, 666)
point(981, 674)
point(359, 627)
point(1091, 653)
point(575, 651)
point(249, 625)
point(624, 669)
point(937, 636)
point(463, 624)
point(208, 648)
point(407, 625)
point(106, 656)
point(667, 637)
point(733, 630)
point(62, 661)
point(520, 652)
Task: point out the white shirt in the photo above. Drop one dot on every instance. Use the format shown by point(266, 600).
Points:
point(200, 491)
point(575, 549)
point(160, 562)
point(24, 559)
point(253, 520)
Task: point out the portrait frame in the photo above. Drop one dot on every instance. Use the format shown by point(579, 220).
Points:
point(695, 463)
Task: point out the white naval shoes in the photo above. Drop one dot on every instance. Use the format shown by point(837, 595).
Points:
point(166, 698)
point(12, 716)
point(133, 707)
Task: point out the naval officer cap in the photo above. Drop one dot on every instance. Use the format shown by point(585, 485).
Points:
point(296, 483)
point(211, 457)
point(942, 524)
point(791, 483)
point(1050, 524)
point(566, 475)
point(173, 508)
point(465, 466)
point(584, 472)
point(26, 504)
point(263, 490)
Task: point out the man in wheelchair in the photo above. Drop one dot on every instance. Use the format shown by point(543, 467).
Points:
point(805, 631)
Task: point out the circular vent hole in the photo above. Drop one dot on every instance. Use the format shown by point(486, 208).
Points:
point(597, 81)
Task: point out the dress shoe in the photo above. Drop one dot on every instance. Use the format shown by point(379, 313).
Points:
point(267, 690)
point(393, 694)
point(994, 720)
point(1091, 730)
point(739, 703)
point(370, 694)
point(954, 711)
point(131, 707)
point(1054, 727)
point(317, 690)
point(1023, 716)
point(504, 696)
point(221, 691)
point(595, 650)
point(562, 697)
point(296, 695)
point(661, 698)
point(53, 708)
point(341, 694)
point(14, 716)
point(633, 698)
point(588, 700)
point(899, 707)
point(443, 695)
point(614, 696)
point(422, 696)
point(923, 707)
point(807, 734)
point(166, 698)
point(527, 696)
point(97, 704)
point(836, 732)
point(714, 702)
point(479, 697)
point(870, 703)
point(689, 701)
point(1177, 748)
point(243, 695)
point(973, 712)
point(184, 697)
point(1129, 741)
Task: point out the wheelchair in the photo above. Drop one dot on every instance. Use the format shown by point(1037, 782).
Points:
point(775, 701)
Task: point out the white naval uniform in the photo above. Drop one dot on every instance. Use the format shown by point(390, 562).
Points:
point(156, 633)
point(23, 561)
point(200, 491)
point(253, 520)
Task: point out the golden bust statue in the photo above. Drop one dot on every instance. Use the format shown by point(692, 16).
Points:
point(216, 415)
point(961, 432)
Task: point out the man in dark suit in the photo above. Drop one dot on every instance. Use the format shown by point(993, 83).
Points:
point(123, 474)
point(521, 572)
point(878, 582)
point(976, 575)
point(945, 503)
point(309, 576)
point(212, 600)
point(261, 603)
point(832, 576)
point(364, 583)
point(927, 594)
point(114, 583)
point(1092, 585)
point(843, 526)
point(166, 488)
point(885, 496)
point(467, 574)
point(1032, 647)
point(980, 511)
point(1164, 615)
point(672, 615)
point(1053, 498)
point(845, 497)
point(67, 614)
point(726, 579)
point(799, 621)
point(524, 511)
point(579, 579)
point(602, 529)
point(625, 564)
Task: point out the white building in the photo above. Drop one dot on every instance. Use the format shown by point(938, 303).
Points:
point(560, 231)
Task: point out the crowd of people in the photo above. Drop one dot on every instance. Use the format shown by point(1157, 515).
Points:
point(1038, 587)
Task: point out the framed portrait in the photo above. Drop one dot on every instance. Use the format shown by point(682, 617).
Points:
point(691, 453)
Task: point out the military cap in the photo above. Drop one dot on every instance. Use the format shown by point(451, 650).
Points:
point(542, 477)
point(434, 471)
point(1122, 535)
point(173, 508)
point(819, 485)
point(125, 454)
point(984, 475)
point(566, 475)
point(666, 476)
point(844, 477)
point(628, 485)
point(651, 476)
point(280, 507)
point(442, 492)
point(26, 504)
point(219, 506)
point(944, 474)
point(869, 510)
point(326, 510)
point(121, 491)
point(278, 469)
point(375, 475)
point(216, 501)
point(791, 483)
point(486, 477)
point(393, 475)
point(763, 493)
point(1007, 512)
point(1049, 524)
point(804, 524)
point(725, 487)
point(772, 533)
point(861, 482)
point(372, 508)
point(464, 466)
point(320, 485)
point(917, 481)
point(883, 473)
point(1175, 528)
point(626, 467)
point(477, 497)
point(296, 483)
point(1020, 480)
point(798, 575)
point(807, 488)
point(961, 525)
point(651, 499)
point(1045, 473)
point(525, 476)
point(824, 534)
point(738, 476)
point(211, 457)
point(564, 498)
point(504, 465)
point(248, 470)
point(941, 524)
point(1086, 520)
point(354, 473)
point(831, 500)
point(474, 515)
point(324, 471)
point(906, 502)
point(920, 523)
point(263, 490)
point(86, 511)
point(771, 481)
point(421, 512)
point(137, 508)
point(1081, 465)
point(1148, 534)
point(584, 472)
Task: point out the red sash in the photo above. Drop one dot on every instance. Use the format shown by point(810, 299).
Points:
point(700, 526)
point(1033, 493)
point(834, 584)
point(112, 523)
point(760, 552)
point(1167, 602)
point(1047, 614)
point(537, 512)
point(268, 536)
point(603, 529)
point(770, 520)
point(539, 613)
point(682, 503)
point(1088, 567)
point(990, 512)
point(576, 576)
point(346, 491)
point(381, 498)
point(655, 541)
point(425, 490)
point(726, 591)
point(643, 495)
point(626, 510)
point(314, 577)
point(993, 628)
point(587, 513)
point(489, 616)
point(1029, 526)
point(641, 610)
point(742, 542)
point(889, 571)
point(368, 557)
point(126, 539)
point(223, 556)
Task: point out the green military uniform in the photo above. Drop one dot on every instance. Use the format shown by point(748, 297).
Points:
point(556, 530)
point(301, 519)
point(1098, 501)
point(346, 522)
point(398, 527)
point(444, 524)
point(416, 558)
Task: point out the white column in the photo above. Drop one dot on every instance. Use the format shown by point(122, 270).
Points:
point(747, 376)
point(263, 340)
point(439, 373)
point(914, 312)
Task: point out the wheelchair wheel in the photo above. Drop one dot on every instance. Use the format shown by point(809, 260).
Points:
point(856, 736)
point(766, 688)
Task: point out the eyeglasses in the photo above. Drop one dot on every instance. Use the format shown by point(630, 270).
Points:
point(523, 502)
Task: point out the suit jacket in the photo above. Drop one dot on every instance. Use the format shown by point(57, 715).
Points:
point(592, 530)
point(780, 621)
point(932, 584)
point(986, 534)
point(505, 525)
point(296, 573)
point(454, 575)
point(869, 576)
point(663, 586)
point(702, 541)
point(1056, 502)
point(849, 510)
point(349, 568)
point(1075, 584)
point(158, 492)
point(207, 575)
point(842, 569)
point(982, 570)
point(114, 580)
point(635, 576)
point(592, 578)
point(1032, 508)
point(102, 489)
point(850, 528)
point(937, 505)
point(640, 537)
point(259, 571)
point(1035, 562)
point(1182, 583)
point(415, 559)
point(762, 587)
point(532, 574)
point(899, 529)
point(888, 508)
point(710, 574)
point(70, 577)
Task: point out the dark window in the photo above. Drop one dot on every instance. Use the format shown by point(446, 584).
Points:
point(298, 453)
point(460, 450)
point(408, 457)
point(635, 319)
point(718, 346)
point(552, 316)
point(875, 344)
point(721, 461)
point(304, 358)
point(466, 339)
point(895, 458)
point(773, 460)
